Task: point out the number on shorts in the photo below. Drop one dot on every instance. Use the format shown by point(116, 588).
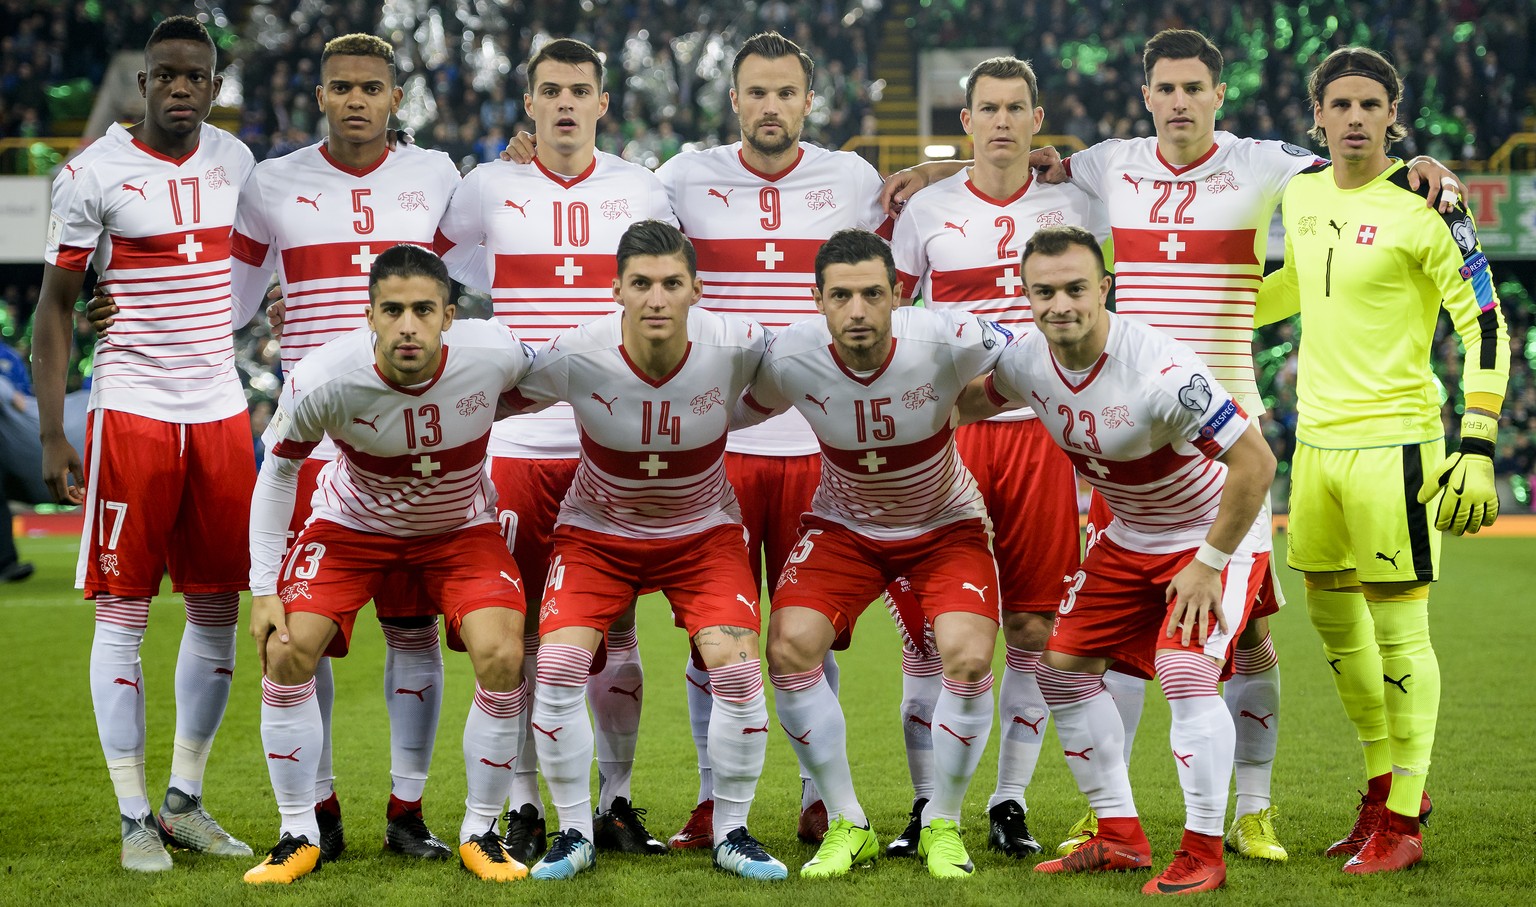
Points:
point(803, 547)
point(119, 516)
point(556, 575)
point(508, 520)
point(1074, 585)
point(310, 553)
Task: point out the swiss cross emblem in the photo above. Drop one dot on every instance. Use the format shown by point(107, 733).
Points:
point(1366, 236)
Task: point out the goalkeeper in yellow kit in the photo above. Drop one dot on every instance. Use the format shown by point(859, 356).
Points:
point(1369, 267)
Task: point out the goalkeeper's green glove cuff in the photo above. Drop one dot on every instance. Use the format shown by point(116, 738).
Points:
point(1470, 501)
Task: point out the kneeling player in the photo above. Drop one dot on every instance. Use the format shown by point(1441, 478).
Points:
point(409, 403)
point(1167, 587)
point(878, 385)
point(650, 508)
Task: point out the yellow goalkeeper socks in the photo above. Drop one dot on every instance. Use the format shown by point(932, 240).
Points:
point(1349, 643)
point(1411, 687)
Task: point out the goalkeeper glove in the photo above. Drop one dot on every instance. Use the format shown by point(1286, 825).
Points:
point(1470, 501)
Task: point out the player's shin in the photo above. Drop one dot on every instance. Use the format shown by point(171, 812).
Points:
point(616, 693)
point(1411, 687)
point(1343, 623)
point(1253, 699)
point(700, 704)
point(493, 735)
point(325, 699)
point(921, 680)
point(962, 722)
point(812, 717)
point(738, 741)
point(117, 695)
point(1091, 739)
point(205, 668)
point(1023, 715)
point(413, 692)
point(525, 781)
point(1202, 737)
point(291, 736)
point(563, 733)
point(1129, 695)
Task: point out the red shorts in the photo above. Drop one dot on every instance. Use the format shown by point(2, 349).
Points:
point(1267, 599)
point(773, 492)
point(334, 571)
point(838, 572)
point(595, 576)
point(1114, 607)
point(528, 496)
point(166, 495)
point(1031, 495)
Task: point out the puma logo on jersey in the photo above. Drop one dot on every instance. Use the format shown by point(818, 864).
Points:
point(1039, 399)
point(1134, 181)
point(509, 203)
point(516, 583)
point(751, 605)
point(138, 189)
point(1172, 364)
point(607, 404)
point(821, 403)
point(1391, 560)
point(1338, 229)
point(312, 202)
point(72, 171)
point(724, 198)
point(980, 592)
point(367, 422)
point(960, 227)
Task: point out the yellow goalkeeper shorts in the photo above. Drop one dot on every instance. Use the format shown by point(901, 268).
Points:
point(1359, 510)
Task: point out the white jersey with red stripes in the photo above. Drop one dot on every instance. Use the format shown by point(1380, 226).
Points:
point(550, 242)
point(889, 468)
point(321, 224)
point(1190, 241)
point(652, 451)
point(157, 232)
point(1143, 425)
point(411, 459)
point(757, 236)
point(958, 248)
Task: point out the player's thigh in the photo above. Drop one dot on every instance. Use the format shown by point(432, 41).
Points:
point(1317, 535)
point(210, 549)
point(134, 471)
point(592, 579)
point(333, 571)
point(1395, 540)
point(834, 572)
point(1115, 607)
point(469, 570)
point(709, 583)
point(528, 496)
point(1241, 582)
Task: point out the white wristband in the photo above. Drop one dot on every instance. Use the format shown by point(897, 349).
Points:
point(1212, 557)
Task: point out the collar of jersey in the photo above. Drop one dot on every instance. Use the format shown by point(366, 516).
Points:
point(416, 390)
point(772, 177)
point(354, 171)
point(566, 182)
point(178, 161)
point(656, 382)
point(1190, 166)
point(868, 379)
point(1000, 202)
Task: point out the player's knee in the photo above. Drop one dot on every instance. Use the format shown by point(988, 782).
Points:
point(1027, 630)
point(791, 653)
point(968, 665)
point(497, 658)
point(287, 663)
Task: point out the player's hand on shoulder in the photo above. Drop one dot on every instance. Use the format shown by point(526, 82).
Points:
point(520, 148)
point(1443, 189)
point(1047, 162)
point(899, 188)
point(99, 311)
point(394, 138)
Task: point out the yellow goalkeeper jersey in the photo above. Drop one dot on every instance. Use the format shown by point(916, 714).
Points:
point(1369, 269)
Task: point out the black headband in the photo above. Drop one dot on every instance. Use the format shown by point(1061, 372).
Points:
point(1373, 76)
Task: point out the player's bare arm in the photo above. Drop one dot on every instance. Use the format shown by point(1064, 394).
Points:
point(976, 405)
point(1445, 189)
point(1196, 590)
point(52, 333)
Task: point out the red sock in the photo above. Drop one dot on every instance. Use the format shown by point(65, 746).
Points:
point(1403, 825)
point(1206, 847)
point(1377, 788)
point(1125, 829)
point(398, 807)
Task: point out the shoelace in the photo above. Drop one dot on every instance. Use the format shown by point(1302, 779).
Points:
point(1184, 867)
point(561, 845)
point(750, 847)
point(285, 849)
point(490, 845)
point(518, 834)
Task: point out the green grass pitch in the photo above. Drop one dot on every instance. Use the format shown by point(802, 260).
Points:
point(58, 824)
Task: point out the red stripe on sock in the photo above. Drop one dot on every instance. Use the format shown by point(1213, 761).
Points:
point(738, 682)
point(1256, 660)
point(412, 639)
point(969, 690)
point(795, 683)
point(286, 697)
point(1066, 687)
point(498, 703)
point(218, 609)
point(1186, 675)
point(564, 665)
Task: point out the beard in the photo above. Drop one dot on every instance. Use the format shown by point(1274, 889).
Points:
point(772, 148)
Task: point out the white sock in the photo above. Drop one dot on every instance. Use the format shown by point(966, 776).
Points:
point(1130, 695)
point(117, 695)
point(700, 703)
point(738, 741)
point(525, 781)
point(492, 739)
point(413, 692)
point(809, 793)
point(563, 733)
point(962, 722)
point(1201, 736)
point(205, 667)
point(922, 677)
point(616, 693)
point(291, 736)
point(325, 698)
point(1023, 714)
point(1253, 699)
point(812, 717)
point(1091, 738)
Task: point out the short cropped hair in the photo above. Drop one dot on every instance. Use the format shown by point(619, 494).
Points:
point(182, 28)
point(359, 44)
point(850, 247)
point(771, 45)
point(1356, 61)
point(406, 260)
point(1181, 44)
point(566, 50)
point(1058, 241)
point(1003, 68)
point(655, 237)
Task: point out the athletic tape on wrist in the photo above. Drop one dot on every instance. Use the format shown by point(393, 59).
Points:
point(1212, 557)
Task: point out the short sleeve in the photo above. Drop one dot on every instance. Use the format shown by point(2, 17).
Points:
point(74, 220)
point(1089, 167)
point(1196, 407)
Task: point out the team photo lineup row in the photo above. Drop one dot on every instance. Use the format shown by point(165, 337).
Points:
point(800, 406)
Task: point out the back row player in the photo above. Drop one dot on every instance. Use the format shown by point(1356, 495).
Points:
point(1201, 225)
